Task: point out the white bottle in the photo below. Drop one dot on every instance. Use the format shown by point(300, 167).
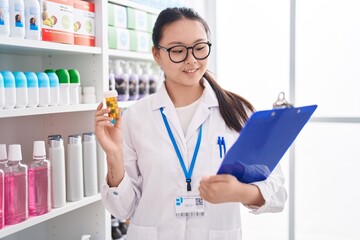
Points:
point(10, 90)
point(54, 89)
point(144, 83)
point(32, 19)
point(17, 16)
point(111, 76)
point(88, 95)
point(74, 169)
point(90, 164)
point(2, 92)
point(33, 89)
point(58, 176)
point(4, 18)
point(121, 82)
point(21, 90)
point(44, 89)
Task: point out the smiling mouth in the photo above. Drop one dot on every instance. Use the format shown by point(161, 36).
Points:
point(189, 70)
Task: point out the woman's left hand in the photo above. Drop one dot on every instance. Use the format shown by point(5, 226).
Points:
point(220, 188)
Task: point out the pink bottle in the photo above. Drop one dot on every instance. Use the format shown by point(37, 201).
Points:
point(39, 181)
point(3, 161)
point(16, 192)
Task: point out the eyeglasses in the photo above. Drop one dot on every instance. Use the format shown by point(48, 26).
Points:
point(179, 53)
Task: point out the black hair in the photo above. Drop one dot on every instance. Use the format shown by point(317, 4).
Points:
point(234, 109)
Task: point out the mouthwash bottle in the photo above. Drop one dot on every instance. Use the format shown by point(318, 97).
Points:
point(16, 192)
point(3, 161)
point(39, 181)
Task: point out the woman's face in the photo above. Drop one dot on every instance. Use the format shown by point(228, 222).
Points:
point(187, 33)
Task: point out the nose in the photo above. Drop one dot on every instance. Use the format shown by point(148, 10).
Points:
point(190, 56)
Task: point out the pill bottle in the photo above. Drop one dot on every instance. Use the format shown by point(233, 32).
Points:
point(111, 102)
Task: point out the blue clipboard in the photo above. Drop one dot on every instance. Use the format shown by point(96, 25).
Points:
point(263, 141)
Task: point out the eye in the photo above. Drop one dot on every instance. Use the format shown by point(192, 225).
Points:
point(177, 50)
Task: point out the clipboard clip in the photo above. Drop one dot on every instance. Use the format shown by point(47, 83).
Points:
point(281, 102)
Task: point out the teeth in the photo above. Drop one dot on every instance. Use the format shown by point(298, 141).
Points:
point(190, 71)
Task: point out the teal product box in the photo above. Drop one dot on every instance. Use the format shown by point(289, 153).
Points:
point(139, 41)
point(119, 38)
point(151, 18)
point(117, 16)
point(137, 19)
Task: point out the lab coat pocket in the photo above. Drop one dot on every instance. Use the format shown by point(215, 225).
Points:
point(231, 234)
point(138, 232)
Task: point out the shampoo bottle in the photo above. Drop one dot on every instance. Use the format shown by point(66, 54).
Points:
point(121, 82)
point(143, 84)
point(4, 19)
point(16, 190)
point(58, 175)
point(90, 164)
point(32, 19)
point(39, 187)
point(133, 83)
point(17, 16)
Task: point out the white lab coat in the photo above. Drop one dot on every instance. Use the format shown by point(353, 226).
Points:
point(154, 177)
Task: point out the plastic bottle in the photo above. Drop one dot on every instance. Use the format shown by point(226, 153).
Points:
point(133, 82)
point(39, 187)
point(16, 191)
point(74, 86)
point(44, 89)
point(2, 92)
point(21, 90)
point(10, 90)
point(3, 163)
point(121, 82)
point(33, 89)
point(54, 89)
point(111, 102)
point(90, 164)
point(143, 84)
point(64, 81)
point(32, 19)
point(74, 169)
point(89, 95)
point(17, 16)
point(58, 176)
point(111, 76)
point(4, 19)
point(153, 79)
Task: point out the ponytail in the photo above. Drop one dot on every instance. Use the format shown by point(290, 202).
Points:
point(234, 109)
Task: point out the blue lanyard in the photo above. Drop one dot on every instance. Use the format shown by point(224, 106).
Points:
point(187, 174)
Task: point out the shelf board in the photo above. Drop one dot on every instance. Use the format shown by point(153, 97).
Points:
point(135, 5)
point(335, 119)
point(70, 206)
point(114, 53)
point(9, 45)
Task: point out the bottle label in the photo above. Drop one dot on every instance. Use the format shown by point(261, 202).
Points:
point(18, 16)
point(33, 19)
point(3, 12)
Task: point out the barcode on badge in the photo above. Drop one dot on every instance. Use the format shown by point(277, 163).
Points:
point(199, 201)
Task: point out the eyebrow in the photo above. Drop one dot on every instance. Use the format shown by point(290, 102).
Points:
point(181, 43)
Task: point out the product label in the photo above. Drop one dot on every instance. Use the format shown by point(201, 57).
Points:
point(33, 19)
point(3, 12)
point(18, 16)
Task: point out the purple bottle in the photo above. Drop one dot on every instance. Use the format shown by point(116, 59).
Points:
point(16, 194)
point(3, 160)
point(39, 181)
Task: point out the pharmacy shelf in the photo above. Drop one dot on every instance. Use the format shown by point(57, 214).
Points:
point(21, 112)
point(138, 6)
point(10, 45)
point(113, 53)
point(336, 119)
point(69, 206)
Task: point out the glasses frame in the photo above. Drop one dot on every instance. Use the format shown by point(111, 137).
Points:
point(187, 51)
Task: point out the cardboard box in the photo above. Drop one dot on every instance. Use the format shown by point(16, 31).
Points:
point(84, 23)
point(117, 15)
point(57, 21)
point(137, 19)
point(151, 21)
point(139, 41)
point(119, 38)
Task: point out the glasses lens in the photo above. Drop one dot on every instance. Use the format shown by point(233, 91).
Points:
point(201, 51)
point(178, 53)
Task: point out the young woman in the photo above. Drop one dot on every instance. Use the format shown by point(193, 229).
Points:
point(163, 153)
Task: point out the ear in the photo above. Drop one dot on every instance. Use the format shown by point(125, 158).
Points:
point(156, 54)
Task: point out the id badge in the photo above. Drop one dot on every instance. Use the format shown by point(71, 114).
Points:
point(189, 205)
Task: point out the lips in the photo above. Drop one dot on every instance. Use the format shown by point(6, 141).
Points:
point(189, 70)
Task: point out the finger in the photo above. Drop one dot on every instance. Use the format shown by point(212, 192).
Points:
point(100, 106)
point(101, 112)
point(118, 119)
point(102, 118)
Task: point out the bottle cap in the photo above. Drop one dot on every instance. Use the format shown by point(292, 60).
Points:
point(9, 79)
point(39, 150)
point(74, 76)
point(1, 81)
point(43, 79)
point(20, 80)
point(89, 137)
point(111, 93)
point(75, 139)
point(55, 141)
point(63, 75)
point(54, 80)
point(32, 80)
point(49, 70)
point(15, 152)
point(3, 154)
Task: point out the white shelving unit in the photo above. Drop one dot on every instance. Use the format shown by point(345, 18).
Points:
point(23, 126)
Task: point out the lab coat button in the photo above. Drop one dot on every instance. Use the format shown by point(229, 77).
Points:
point(115, 193)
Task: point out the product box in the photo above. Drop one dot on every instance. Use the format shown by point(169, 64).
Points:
point(119, 38)
point(137, 19)
point(57, 21)
point(117, 15)
point(139, 41)
point(151, 18)
point(84, 23)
